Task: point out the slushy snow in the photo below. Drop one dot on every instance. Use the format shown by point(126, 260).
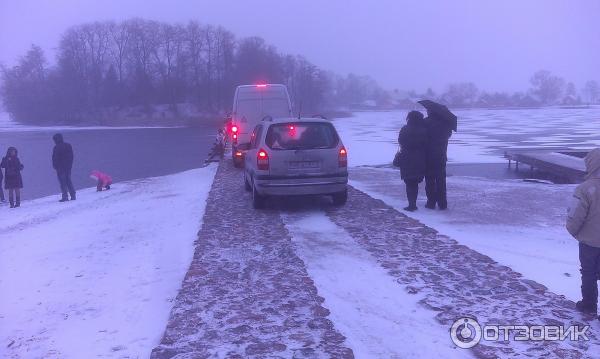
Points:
point(96, 277)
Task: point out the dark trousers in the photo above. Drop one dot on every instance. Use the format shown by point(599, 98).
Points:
point(589, 257)
point(14, 194)
point(435, 188)
point(66, 186)
point(1, 191)
point(412, 191)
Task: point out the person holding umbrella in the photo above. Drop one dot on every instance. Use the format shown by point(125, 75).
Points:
point(440, 123)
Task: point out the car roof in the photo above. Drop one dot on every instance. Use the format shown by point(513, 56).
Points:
point(295, 119)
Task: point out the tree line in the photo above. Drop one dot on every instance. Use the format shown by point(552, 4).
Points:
point(546, 89)
point(106, 66)
point(102, 68)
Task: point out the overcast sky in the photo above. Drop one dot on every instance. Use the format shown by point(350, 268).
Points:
point(497, 44)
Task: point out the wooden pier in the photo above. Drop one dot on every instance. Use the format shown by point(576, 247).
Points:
point(563, 165)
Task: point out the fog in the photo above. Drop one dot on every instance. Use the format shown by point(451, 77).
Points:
point(406, 45)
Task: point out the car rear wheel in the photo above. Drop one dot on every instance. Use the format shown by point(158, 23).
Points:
point(340, 198)
point(258, 201)
point(237, 163)
point(247, 186)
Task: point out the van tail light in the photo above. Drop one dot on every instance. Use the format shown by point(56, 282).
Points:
point(343, 157)
point(262, 160)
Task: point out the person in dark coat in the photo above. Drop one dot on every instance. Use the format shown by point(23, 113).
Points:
point(62, 161)
point(2, 198)
point(438, 134)
point(413, 156)
point(13, 181)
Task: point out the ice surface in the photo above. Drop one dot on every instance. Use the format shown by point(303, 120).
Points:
point(482, 137)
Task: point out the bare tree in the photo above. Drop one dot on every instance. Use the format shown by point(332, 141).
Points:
point(591, 91)
point(547, 87)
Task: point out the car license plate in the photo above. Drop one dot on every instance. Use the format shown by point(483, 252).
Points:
point(298, 165)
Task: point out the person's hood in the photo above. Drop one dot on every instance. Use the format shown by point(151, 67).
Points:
point(58, 138)
point(414, 122)
point(592, 163)
point(10, 149)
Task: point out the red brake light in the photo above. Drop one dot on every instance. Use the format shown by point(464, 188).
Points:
point(343, 157)
point(261, 85)
point(262, 160)
point(238, 153)
point(234, 129)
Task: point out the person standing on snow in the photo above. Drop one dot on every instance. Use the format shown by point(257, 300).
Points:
point(13, 181)
point(437, 148)
point(62, 161)
point(2, 199)
point(413, 156)
point(583, 223)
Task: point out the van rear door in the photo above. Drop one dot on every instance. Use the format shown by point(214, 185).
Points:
point(254, 102)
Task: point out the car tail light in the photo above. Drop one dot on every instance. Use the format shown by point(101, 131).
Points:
point(238, 154)
point(343, 157)
point(262, 160)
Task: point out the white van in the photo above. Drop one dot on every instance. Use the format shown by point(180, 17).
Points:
point(252, 103)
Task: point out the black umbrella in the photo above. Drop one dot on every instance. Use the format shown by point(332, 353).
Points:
point(442, 112)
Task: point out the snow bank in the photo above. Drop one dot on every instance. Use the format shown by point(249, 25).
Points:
point(518, 224)
point(96, 277)
point(8, 125)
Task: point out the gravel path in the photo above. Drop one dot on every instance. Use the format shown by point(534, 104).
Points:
point(457, 281)
point(247, 294)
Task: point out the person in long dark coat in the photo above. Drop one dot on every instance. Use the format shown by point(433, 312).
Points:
point(13, 181)
point(62, 161)
point(2, 198)
point(413, 156)
point(438, 134)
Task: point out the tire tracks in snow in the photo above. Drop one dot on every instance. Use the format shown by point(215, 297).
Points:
point(246, 293)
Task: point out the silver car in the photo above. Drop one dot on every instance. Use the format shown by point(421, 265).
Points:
point(296, 157)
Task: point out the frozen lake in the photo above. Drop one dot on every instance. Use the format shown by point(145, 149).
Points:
point(482, 137)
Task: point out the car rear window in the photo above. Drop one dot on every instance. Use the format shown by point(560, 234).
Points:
point(301, 136)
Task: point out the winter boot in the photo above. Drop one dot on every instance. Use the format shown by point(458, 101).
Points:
point(18, 202)
point(411, 208)
point(586, 308)
point(64, 199)
point(12, 204)
point(430, 205)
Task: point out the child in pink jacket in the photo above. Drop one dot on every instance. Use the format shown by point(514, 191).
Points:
point(104, 181)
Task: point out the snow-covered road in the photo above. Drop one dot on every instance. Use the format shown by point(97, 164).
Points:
point(96, 277)
point(379, 318)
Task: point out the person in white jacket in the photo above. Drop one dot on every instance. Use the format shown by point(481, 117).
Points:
point(583, 223)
